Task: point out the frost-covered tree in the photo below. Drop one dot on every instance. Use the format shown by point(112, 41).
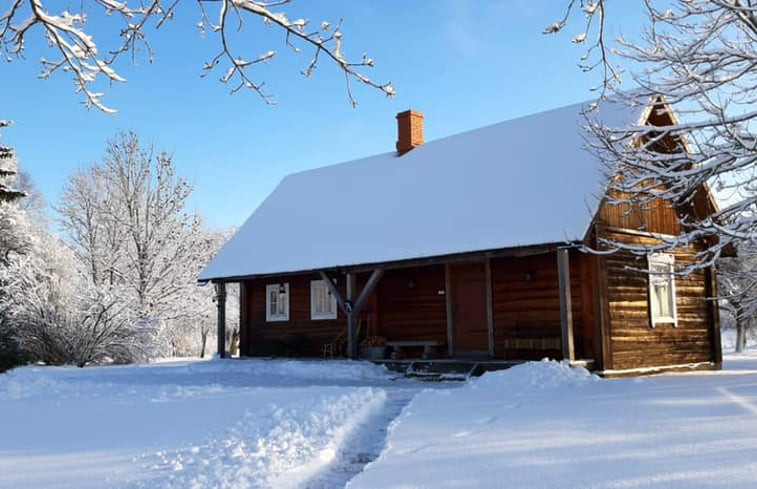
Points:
point(126, 217)
point(56, 315)
point(737, 279)
point(14, 242)
point(698, 55)
point(123, 29)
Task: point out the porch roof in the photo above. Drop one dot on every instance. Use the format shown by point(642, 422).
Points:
point(516, 183)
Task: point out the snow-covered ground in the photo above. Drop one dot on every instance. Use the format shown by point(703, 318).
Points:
point(220, 424)
point(286, 424)
point(543, 425)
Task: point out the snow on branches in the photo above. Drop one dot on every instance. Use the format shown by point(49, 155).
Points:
point(698, 58)
point(69, 36)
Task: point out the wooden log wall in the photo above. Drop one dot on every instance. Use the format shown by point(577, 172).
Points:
point(526, 306)
point(410, 306)
point(300, 336)
point(634, 343)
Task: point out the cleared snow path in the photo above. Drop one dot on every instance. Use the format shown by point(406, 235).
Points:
point(222, 424)
point(365, 444)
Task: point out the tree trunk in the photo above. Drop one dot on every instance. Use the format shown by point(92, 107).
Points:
point(204, 335)
point(234, 349)
point(741, 328)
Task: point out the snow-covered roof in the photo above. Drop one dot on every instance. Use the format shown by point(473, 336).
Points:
point(521, 182)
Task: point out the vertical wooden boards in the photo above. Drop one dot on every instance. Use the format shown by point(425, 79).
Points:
point(566, 307)
point(221, 303)
point(489, 306)
point(450, 312)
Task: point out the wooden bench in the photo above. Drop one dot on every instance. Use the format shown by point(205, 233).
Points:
point(429, 347)
point(533, 344)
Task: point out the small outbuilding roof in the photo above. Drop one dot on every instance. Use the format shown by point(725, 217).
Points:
point(522, 182)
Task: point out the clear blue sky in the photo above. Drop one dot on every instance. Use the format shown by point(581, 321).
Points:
point(464, 64)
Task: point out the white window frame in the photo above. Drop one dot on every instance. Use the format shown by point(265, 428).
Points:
point(279, 316)
point(668, 261)
point(315, 316)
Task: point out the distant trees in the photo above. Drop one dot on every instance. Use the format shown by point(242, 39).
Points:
point(123, 287)
point(14, 242)
point(737, 280)
point(90, 59)
point(127, 221)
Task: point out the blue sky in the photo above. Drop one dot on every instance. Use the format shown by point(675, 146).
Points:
point(464, 64)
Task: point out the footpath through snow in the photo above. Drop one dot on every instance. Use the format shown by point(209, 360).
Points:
point(227, 424)
point(545, 425)
point(315, 425)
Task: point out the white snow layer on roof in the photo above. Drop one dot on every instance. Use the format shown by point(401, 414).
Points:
point(521, 182)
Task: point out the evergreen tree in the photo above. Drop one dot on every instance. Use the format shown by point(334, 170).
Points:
point(8, 171)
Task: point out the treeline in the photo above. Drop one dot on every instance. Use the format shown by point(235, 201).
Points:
point(119, 284)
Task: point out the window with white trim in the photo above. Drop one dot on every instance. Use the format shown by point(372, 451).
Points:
point(322, 301)
point(277, 302)
point(662, 289)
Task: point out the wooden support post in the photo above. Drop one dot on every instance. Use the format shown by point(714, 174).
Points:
point(221, 303)
point(351, 317)
point(351, 306)
point(489, 306)
point(450, 316)
point(334, 291)
point(711, 289)
point(566, 312)
point(368, 289)
point(243, 319)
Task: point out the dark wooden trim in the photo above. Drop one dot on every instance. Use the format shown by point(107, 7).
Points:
point(713, 308)
point(221, 303)
point(351, 318)
point(244, 320)
point(334, 291)
point(489, 306)
point(636, 232)
point(566, 306)
point(450, 315)
point(604, 345)
point(514, 252)
point(367, 289)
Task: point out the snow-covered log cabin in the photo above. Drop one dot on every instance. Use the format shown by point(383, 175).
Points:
point(470, 247)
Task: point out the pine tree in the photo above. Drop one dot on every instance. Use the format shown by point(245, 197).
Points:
point(8, 171)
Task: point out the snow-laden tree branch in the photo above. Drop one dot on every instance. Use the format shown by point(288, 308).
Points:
point(68, 33)
point(700, 58)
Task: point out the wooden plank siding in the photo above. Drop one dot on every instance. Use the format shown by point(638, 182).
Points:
point(406, 305)
point(633, 341)
point(300, 335)
point(410, 305)
point(526, 305)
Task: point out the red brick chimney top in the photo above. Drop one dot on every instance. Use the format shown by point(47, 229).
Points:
point(409, 131)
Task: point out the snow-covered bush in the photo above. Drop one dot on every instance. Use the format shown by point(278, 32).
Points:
point(55, 315)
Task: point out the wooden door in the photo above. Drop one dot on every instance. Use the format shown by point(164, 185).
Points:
point(468, 282)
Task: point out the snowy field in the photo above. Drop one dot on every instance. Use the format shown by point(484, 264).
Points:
point(287, 424)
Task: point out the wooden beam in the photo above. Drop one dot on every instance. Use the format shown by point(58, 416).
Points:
point(243, 319)
point(604, 341)
point(351, 317)
point(335, 292)
point(711, 288)
point(566, 306)
point(221, 303)
point(450, 317)
point(368, 289)
point(489, 306)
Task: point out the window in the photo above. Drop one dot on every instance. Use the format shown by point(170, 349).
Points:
point(277, 302)
point(662, 289)
point(322, 301)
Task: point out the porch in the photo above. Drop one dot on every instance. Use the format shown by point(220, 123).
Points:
point(495, 308)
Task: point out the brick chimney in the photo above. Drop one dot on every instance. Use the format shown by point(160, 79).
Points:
point(409, 131)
